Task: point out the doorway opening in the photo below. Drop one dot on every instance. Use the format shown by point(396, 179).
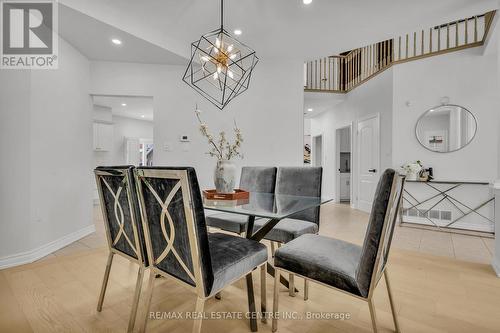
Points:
point(123, 131)
point(343, 157)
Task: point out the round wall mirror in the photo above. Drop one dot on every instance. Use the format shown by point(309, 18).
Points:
point(446, 128)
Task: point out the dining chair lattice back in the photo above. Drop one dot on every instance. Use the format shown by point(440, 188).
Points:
point(178, 244)
point(120, 211)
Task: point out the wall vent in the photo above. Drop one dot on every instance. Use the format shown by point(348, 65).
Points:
point(446, 215)
point(433, 214)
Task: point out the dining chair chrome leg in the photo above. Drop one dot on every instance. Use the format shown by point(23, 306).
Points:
point(306, 290)
point(263, 296)
point(291, 285)
point(135, 302)
point(391, 301)
point(105, 281)
point(149, 295)
point(373, 315)
point(273, 249)
point(200, 304)
point(276, 299)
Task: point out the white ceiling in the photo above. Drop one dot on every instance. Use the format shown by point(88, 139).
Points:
point(320, 102)
point(93, 39)
point(137, 107)
point(278, 28)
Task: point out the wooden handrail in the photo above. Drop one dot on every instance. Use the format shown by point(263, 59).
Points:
point(342, 73)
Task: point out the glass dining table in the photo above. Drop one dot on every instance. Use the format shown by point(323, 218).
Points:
point(271, 207)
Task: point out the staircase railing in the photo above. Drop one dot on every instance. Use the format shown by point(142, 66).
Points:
point(342, 73)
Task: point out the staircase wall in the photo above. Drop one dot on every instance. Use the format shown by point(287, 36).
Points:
point(467, 78)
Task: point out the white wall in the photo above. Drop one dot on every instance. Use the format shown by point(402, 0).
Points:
point(372, 97)
point(46, 168)
point(307, 126)
point(468, 79)
point(269, 113)
point(14, 161)
point(60, 140)
point(102, 113)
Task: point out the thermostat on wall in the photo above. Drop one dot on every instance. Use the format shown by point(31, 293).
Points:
point(184, 138)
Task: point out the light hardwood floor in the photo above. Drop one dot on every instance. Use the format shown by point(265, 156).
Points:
point(433, 293)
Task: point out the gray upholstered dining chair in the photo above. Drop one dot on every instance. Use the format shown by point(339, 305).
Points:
point(253, 179)
point(352, 269)
point(178, 244)
point(120, 211)
point(300, 181)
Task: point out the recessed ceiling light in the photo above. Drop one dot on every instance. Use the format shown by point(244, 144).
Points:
point(124, 104)
point(237, 32)
point(116, 41)
point(142, 116)
point(307, 2)
point(310, 110)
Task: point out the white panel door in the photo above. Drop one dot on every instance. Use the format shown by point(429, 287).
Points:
point(368, 160)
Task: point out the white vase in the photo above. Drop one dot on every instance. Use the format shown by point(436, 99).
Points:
point(224, 176)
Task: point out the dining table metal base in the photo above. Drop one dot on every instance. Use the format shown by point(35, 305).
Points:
point(258, 236)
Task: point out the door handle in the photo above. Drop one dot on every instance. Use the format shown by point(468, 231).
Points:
point(372, 170)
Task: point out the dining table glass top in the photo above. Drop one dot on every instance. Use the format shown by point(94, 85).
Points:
point(267, 205)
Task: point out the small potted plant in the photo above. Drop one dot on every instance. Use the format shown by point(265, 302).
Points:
point(225, 152)
point(412, 170)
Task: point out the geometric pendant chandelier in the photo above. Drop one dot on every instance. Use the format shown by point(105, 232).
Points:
point(221, 66)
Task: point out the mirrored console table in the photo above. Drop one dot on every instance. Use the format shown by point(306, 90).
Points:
point(453, 206)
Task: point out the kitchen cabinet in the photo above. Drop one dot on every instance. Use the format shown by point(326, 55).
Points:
point(345, 186)
point(103, 137)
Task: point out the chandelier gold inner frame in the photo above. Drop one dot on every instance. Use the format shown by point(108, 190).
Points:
point(220, 67)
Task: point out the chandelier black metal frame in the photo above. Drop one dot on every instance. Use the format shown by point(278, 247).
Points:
point(221, 66)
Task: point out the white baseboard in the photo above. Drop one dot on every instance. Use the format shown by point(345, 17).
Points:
point(44, 250)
